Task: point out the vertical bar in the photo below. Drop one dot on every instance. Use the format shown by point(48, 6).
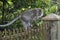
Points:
point(17, 32)
point(14, 37)
point(29, 33)
point(36, 36)
point(43, 32)
point(49, 30)
point(24, 35)
point(1, 35)
point(10, 33)
point(21, 34)
point(39, 30)
point(5, 31)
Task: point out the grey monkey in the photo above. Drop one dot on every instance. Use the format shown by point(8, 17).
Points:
point(27, 17)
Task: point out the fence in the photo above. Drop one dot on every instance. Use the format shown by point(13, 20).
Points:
point(49, 30)
point(20, 34)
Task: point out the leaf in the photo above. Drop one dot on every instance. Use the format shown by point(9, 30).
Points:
point(1, 3)
point(53, 8)
point(38, 3)
point(47, 2)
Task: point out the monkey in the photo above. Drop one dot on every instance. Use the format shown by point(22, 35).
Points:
point(27, 17)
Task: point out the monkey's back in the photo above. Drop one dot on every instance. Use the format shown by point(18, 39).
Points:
point(32, 14)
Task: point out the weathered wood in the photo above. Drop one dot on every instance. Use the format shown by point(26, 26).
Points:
point(51, 27)
point(19, 34)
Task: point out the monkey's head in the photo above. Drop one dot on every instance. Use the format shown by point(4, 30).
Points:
point(37, 13)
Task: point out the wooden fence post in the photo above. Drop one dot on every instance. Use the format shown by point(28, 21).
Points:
point(51, 27)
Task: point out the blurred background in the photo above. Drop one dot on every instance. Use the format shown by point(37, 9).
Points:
point(10, 9)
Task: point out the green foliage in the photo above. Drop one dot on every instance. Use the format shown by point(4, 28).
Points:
point(53, 8)
point(15, 7)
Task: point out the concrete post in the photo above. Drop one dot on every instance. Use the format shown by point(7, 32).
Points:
point(51, 27)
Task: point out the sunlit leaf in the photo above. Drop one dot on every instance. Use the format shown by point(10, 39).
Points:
point(48, 2)
point(53, 8)
point(29, 6)
point(23, 8)
point(10, 2)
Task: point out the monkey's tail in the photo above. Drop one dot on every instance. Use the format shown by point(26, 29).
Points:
point(8, 24)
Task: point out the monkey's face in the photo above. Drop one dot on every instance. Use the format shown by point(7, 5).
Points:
point(37, 13)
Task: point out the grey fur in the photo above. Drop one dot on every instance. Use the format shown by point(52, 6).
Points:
point(27, 16)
